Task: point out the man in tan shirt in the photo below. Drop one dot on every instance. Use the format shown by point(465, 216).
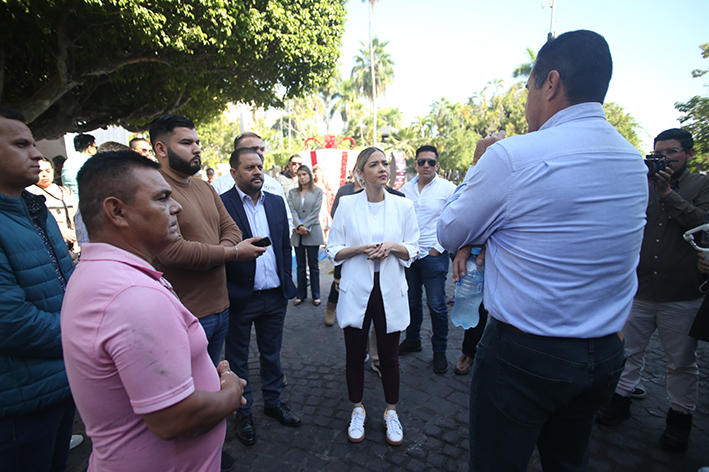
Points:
point(209, 238)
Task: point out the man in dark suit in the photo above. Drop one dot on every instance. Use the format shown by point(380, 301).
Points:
point(258, 290)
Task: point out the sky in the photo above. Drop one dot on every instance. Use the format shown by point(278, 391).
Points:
point(452, 48)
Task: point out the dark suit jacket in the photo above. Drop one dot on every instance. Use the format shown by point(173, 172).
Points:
point(240, 275)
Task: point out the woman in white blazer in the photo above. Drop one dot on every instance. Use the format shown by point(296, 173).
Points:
point(374, 236)
point(305, 202)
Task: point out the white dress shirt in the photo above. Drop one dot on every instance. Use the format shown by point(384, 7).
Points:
point(429, 205)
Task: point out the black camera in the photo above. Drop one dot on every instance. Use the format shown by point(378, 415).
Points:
point(656, 162)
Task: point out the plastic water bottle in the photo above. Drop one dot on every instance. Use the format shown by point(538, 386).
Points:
point(469, 293)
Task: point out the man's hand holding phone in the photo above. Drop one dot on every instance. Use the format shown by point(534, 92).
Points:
point(251, 248)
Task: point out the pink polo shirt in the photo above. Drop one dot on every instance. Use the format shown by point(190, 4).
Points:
point(132, 348)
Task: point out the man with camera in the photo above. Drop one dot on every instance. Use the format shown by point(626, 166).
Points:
point(668, 295)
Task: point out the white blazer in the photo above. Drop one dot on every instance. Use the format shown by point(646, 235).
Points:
point(350, 228)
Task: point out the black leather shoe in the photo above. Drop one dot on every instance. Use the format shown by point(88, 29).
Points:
point(245, 430)
point(440, 363)
point(407, 346)
point(227, 462)
point(283, 414)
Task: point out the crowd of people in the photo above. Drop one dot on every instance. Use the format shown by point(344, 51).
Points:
point(125, 279)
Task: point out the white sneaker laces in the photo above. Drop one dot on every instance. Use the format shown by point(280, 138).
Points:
point(356, 429)
point(394, 430)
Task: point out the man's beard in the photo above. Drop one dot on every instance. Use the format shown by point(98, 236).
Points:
point(178, 164)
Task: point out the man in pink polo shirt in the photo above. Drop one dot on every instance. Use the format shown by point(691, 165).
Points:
point(136, 358)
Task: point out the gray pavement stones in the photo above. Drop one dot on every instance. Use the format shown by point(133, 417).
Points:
point(433, 410)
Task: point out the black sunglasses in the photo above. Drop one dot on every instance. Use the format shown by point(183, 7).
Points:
point(431, 162)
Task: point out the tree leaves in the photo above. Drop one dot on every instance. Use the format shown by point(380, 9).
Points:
point(73, 65)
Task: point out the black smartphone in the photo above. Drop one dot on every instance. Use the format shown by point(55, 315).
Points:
point(264, 242)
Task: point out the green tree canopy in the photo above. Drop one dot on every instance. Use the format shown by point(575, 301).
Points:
point(696, 115)
point(624, 123)
point(82, 64)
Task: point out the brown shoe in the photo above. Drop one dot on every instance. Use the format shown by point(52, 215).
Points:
point(317, 302)
point(297, 302)
point(463, 365)
point(330, 314)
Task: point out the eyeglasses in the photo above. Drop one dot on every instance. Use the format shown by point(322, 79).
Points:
point(431, 162)
point(670, 152)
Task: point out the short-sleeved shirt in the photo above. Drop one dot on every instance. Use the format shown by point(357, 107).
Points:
point(132, 348)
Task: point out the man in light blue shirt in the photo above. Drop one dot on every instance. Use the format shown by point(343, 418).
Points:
point(85, 147)
point(258, 290)
point(429, 192)
point(561, 213)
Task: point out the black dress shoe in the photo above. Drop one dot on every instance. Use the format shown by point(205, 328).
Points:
point(283, 414)
point(407, 346)
point(245, 430)
point(227, 462)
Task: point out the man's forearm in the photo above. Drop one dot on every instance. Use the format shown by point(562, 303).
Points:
point(197, 414)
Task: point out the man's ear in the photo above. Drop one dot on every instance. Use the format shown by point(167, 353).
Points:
point(552, 86)
point(115, 209)
point(691, 154)
point(232, 171)
point(160, 149)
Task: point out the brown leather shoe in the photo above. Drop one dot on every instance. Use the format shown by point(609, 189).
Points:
point(330, 314)
point(297, 302)
point(463, 365)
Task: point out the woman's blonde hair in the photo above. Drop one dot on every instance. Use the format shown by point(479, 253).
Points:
point(364, 155)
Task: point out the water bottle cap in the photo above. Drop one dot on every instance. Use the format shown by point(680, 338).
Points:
point(476, 251)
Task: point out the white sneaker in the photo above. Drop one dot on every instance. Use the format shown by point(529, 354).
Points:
point(395, 433)
point(356, 429)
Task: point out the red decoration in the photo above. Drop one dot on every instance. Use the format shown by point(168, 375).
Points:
point(330, 142)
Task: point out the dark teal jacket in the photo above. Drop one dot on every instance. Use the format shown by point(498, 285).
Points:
point(32, 374)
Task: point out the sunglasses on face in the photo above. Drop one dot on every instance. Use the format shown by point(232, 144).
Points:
point(431, 162)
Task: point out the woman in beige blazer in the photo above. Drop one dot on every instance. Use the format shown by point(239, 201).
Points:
point(305, 202)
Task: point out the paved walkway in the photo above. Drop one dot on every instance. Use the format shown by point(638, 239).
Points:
point(433, 411)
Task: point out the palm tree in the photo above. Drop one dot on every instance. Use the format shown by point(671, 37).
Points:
point(371, 69)
point(524, 70)
point(383, 69)
point(345, 99)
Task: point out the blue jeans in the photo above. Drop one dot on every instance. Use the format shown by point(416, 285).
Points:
point(531, 390)
point(429, 272)
point(215, 327)
point(37, 441)
point(314, 267)
point(266, 310)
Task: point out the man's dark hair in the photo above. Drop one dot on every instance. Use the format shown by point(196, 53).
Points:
point(427, 148)
point(243, 136)
point(108, 174)
point(11, 114)
point(83, 141)
point(582, 59)
point(109, 146)
point(291, 158)
point(682, 135)
point(236, 156)
point(132, 142)
point(166, 124)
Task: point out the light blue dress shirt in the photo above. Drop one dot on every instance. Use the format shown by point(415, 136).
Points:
point(266, 270)
point(561, 212)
